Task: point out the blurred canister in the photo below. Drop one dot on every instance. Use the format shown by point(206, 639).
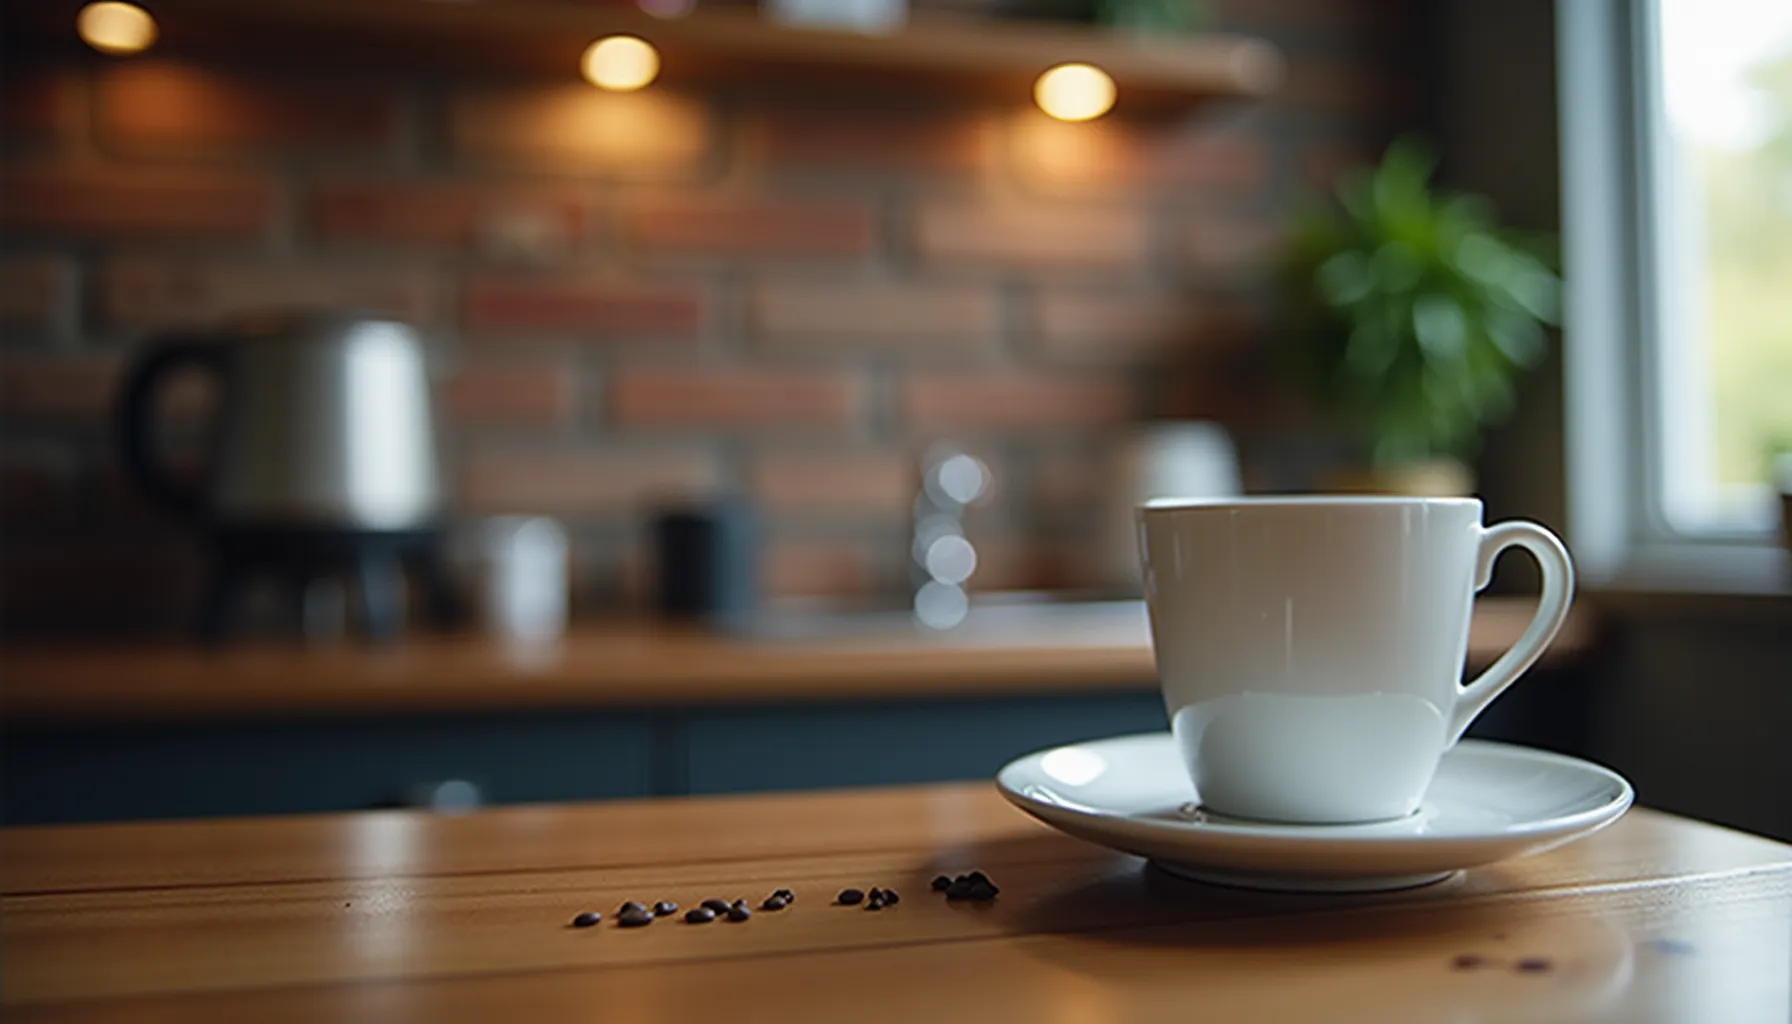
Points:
point(525, 581)
point(708, 559)
point(1162, 460)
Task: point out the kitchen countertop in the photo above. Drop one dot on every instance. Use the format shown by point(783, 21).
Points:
point(1013, 649)
point(400, 916)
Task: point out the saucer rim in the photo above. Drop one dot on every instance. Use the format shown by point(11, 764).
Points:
point(1575, 824)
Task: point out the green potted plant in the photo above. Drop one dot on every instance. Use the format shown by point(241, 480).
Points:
point(1413, 315)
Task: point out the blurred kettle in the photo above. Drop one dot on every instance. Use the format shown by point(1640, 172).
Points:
point(1170, 459)
point(325, 422)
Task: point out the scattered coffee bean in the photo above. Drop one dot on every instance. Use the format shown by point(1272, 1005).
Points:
point(941, 883)
point(874, 904)
point(785, 894)
point(665, 908)
point(960, 889)
point(699, 915)
point(631, 905)
point(875, 894)
point(587, 919)
point(774, 902)
point(890, 897)
point(848, 897)
point(977, 876)
point(1533, 964)
point(739, 911)
point(1468, 961)
point(635, 917)
point(984, 892)
point(718, 906)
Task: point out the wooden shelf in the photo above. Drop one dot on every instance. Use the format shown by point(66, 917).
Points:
point(1065, 648)
point(729, 46)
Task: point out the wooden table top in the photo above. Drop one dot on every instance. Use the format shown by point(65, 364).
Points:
point(1026, 649)
point(402, 916)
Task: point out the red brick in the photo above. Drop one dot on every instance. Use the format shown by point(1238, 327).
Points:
point(1007, 564)
point(1032, 236)
point(1117, 155)
point(1355, 89)
point(155, 292)
point(733, 397)
point(723, 227)
point(1230, 243)
point(33, 289)
point(842, 313)
point(76, 387)
point(1324, 165)
point(38, 104)
point(539, 395)
point(1104, 327)
point(1327, 15)
point(873, 483)
point(1071, 479)
point(149, 105)
point(576, 129)
point(177, 203)
point(884, 142)
point(1014, 400)
point(504, 221)
point(575, 482)
point(816, 569)
point(595, 306)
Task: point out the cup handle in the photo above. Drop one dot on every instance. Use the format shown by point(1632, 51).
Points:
point(1552, 611)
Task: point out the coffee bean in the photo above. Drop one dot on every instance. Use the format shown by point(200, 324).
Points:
point(739, 911)
point(1533, 964)
point(982, 892)
point(664, 908)
point(848, 897)
point(635, 917)
point(785, 894)
point(976, 876)
point(774, 902)
point(631, 905)
point(960, 889)
point(587, 919)
point(699, 915)
point(875, 894)
point(718, 906)
point(941, 883)
point(890, 897)
point(874, 902)
point(1468, 961)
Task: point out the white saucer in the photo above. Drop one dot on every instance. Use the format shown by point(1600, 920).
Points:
point(1489, 802)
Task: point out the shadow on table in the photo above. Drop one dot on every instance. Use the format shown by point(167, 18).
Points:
point(1453, 950)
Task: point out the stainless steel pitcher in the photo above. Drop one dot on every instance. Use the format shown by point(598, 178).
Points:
point(325, 421)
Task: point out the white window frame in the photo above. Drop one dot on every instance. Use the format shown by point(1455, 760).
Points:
point(1612, 255)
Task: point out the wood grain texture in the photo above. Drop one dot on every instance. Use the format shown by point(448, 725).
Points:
point(1058, 649)
point(407, 916)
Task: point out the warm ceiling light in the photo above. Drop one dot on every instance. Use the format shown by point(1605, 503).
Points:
point(1074, 92)
point(116, 28)
point(620, 63)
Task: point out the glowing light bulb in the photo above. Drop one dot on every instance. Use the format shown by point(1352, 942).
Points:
point(620, 63)
point(1074, 92)
point(116, 28)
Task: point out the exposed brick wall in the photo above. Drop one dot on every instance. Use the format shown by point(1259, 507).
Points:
point(657, 296)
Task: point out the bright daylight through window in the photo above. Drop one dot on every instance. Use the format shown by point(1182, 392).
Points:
point(1721, 200)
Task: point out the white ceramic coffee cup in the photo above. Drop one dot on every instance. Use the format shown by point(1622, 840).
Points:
point(1311, 649)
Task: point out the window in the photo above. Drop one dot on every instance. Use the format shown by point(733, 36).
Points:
point(1677, 240)
point(1720, 142)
